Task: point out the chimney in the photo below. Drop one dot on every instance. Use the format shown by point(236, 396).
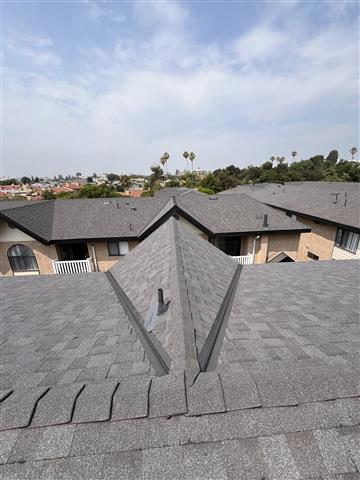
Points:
point(266, 223)
point(162, 307)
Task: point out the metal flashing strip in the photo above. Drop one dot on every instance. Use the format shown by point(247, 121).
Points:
point(158, 357)
point(209, 354)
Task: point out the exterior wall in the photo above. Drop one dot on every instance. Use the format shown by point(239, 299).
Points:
point(15, 235)
point(283, 242)
point(44, 255)
point(320, 241)
point(261, 248)
point(341, 254)
point(104, 260)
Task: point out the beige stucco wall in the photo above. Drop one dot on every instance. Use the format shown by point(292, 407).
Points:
point(44, 255)
point(283, 242)
point(319, 241)
point(8, 234)
point(104, 261)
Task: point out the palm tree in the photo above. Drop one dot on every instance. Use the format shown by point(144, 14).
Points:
point(353, 152)
point(272, 159)
point(192, 158)
point(163, 160)
point(293, 154)
point(78, 174)
point(186, 156)
point(281, 160)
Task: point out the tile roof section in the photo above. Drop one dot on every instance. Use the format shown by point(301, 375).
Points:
point(315, 199)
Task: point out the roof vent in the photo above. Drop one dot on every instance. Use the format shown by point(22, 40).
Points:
point(336, 197)
point(162, 306)
point(266, 223)
point(214, 197)
point(133, 208)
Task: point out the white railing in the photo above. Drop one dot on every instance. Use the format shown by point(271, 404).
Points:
point(72, 266)
point(244, 259)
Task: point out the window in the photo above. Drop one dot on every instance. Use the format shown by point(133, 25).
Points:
point(116, 248)
point(347, 240)
point(22, 258)
point(312, 256)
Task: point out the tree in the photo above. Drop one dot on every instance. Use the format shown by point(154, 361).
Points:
point(186, 156)
point(25, 180)
point(163, 160)
point(112, 177)
point(124, 182)
point(192, 158)
point(89, 180)
point(48, 195)
point(77, 174)
point(353, 152)
point(95, 191)
point(293, 154)
point(272, 159)
point(333, 157)
point(281, 160)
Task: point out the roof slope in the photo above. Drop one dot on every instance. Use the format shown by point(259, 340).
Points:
point(194, 276)
point(80, 400)
point(36, 219)
point(235, 213)
point(316, 199)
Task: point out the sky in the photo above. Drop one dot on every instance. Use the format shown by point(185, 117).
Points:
point(105, 86)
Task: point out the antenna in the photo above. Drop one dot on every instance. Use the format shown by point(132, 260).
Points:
point(336, 196)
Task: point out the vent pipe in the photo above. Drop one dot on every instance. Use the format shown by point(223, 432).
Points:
point(266, 223)
point(162, 307)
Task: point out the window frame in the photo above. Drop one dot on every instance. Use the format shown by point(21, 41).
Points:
point(118, 242)
point(342, 239)
point(313, 256)
point(27, 261)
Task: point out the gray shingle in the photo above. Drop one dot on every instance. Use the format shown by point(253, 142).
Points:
point(17, 410)
point(131, 398)
point(240, 391)
point(94, 402)
point(57, 405)
point(43, 443)
point(168, 396)
point(309, 198)
point(205, 395)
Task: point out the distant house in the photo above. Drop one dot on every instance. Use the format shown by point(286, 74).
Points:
point(64, 235)
point(330, 209)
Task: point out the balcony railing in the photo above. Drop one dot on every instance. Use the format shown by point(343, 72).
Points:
point(244, 259)
point(72, 266)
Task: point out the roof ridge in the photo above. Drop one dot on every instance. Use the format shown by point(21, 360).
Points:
point(190, 361)
point(154, 218)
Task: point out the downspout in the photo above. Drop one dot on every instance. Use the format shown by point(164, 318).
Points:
point(95, 258)
point(254, 246)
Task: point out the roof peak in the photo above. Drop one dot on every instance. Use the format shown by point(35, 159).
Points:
point(197, 280)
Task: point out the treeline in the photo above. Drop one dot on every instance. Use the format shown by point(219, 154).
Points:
point(277, 170)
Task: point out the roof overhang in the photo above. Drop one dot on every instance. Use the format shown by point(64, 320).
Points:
point(24, 229)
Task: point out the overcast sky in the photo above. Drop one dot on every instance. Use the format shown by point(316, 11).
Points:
point(110, 86)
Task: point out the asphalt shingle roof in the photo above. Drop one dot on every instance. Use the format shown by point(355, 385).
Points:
point(315, 199)
point(98, 218)
point(81, 400)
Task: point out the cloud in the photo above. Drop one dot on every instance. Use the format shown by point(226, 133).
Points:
point(278, 86)
point(36, 49)
point(97, 11)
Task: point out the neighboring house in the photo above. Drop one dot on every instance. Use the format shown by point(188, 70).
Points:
point(331, 210)
point(106, 229)
point(236, 373)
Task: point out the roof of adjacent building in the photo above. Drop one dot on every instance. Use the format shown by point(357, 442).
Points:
point(262, 368)
point(334, 202)
point(62, 220)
